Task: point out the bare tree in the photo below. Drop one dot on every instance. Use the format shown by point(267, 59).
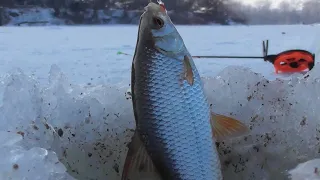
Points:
point(311, 11)
point(6, 3)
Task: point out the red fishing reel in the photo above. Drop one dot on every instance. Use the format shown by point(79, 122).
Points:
point(290, 61)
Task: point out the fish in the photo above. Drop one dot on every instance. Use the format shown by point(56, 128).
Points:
point(176, 131)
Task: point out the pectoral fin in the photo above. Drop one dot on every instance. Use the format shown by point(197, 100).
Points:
point(188, 73)
point(138, 164)
point(226, 127)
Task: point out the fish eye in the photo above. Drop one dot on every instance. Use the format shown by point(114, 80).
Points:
point(158, 22)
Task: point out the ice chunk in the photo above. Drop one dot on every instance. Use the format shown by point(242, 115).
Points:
point(282, 116)
point(88, 127)
point(9, 139)
point(95, 124)
point(37, 163)
point(24, 106)
point(309, 170)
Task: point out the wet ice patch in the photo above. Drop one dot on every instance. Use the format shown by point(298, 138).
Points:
point(309, 170)
point(36, 163)
point(87, 128)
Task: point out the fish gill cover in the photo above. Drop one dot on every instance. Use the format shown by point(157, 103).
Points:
point(48, 130)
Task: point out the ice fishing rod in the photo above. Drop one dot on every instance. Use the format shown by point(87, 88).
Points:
point(265, 52)
point(290, 61)
point(230, 57)
point(265, 48)
point(295, 60)
point(241, 57)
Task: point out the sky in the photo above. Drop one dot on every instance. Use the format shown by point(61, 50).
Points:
point(275, 3)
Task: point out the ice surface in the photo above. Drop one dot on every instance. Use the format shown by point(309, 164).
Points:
point(86, 126)
point(88, 55)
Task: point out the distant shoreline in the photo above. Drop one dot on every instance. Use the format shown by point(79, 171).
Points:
point(40, 16)
point(46, 16)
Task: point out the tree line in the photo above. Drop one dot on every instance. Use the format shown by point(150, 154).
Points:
point(206, 9)
point(176, 5)
point(219, 11)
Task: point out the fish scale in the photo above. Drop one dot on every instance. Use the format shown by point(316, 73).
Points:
point(177, 118)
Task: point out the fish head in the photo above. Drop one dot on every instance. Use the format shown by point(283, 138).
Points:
point(162, 33)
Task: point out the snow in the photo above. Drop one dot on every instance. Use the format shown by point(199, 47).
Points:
point(274, 3)
point(65, 103)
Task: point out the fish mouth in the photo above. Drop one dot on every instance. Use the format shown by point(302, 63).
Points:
point(152, 7)
point(146, 8)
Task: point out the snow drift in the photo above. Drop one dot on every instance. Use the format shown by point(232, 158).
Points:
point(87, 128)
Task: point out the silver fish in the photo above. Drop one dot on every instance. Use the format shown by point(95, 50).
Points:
point(175, 128)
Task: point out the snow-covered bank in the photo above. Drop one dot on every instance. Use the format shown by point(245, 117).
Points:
point(89, 127)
